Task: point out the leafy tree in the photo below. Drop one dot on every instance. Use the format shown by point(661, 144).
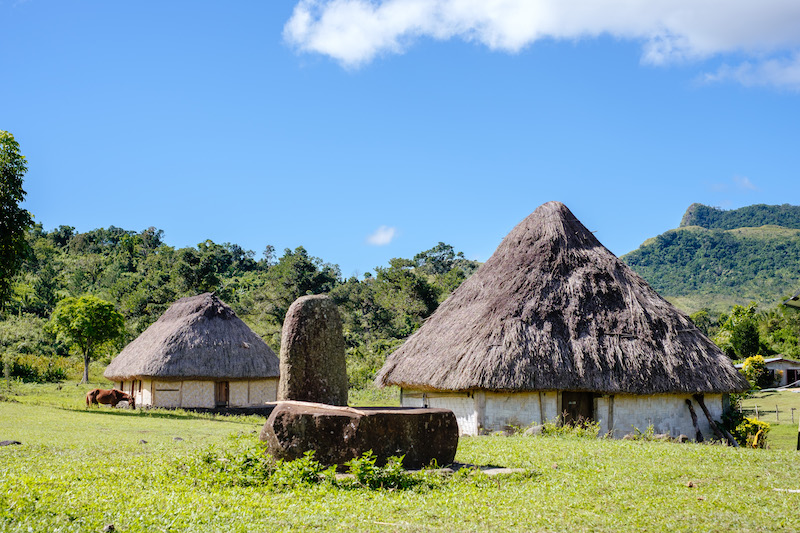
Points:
point(741, 324)
point(88, 323)
point(755, 370)
point(407, 295)
point(702, 319)
point(438, 260)
point(14, 221)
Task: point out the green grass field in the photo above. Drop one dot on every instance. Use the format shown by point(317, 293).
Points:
point(79, 470)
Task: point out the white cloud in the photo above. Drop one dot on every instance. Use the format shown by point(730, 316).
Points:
point(775, 72)
point(354, 32)
point(740, 183)
point(744, 183)
point(382, 236)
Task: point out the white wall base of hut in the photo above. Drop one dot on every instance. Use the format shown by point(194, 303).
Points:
point(200, 394)
point(462, 405)
point(667, 413)
point(618, 415)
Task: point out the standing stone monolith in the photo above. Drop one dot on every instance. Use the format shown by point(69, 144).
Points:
point(313, 367)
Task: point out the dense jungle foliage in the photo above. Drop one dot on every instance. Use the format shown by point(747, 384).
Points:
point(141, 275)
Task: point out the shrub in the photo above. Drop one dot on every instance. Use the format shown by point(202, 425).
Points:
point(30, 368)
point(752, 433)
point(755, 370)
point(588, 429)
point(646, 435)
point(747, 431)
point(245, 463)
point(390, 476)
point(303, 471)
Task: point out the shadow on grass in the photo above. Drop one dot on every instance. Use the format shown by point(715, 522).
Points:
point(157, 413)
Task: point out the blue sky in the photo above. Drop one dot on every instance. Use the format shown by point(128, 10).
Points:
point(370, 130)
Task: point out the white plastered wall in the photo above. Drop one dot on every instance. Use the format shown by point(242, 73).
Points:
point(519, 409)
point(263, 390)
point(197, 394)
point(462, 404)
point(238, 393)
point(619, 414)
point(166, 393)
point(668, 413)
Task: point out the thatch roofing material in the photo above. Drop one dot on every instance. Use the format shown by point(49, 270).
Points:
point(198, 337)
point(553, 309)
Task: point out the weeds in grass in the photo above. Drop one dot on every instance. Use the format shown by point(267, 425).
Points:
point(648, 434)
point(583, 429)
point(365, 473)
point(244, 463)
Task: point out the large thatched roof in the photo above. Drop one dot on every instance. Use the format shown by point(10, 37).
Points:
point(553, 309)
point(199, 337)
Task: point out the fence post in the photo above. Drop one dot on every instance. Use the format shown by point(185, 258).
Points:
point(756, 411)
point(798, 436)
point(777, 417)
point(792, 415)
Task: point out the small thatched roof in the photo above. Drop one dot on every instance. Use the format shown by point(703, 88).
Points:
point(553, 309)
point(198, 337)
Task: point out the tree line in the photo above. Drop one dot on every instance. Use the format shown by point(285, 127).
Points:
point(142, 276)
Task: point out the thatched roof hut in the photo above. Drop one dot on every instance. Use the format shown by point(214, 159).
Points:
point(198, 339)
point(554, 310)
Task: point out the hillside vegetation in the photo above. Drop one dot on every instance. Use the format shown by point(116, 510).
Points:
point(718, 259)
point(757, 215)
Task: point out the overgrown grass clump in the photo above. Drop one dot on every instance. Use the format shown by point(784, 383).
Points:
point(243, 462)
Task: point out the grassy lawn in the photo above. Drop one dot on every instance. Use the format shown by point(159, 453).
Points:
point(776, 408)
point(79, 470)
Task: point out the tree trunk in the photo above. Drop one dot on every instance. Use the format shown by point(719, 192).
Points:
point(85, 366)
point(698, 433)
point(716, 429)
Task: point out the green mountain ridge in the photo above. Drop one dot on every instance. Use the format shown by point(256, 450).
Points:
point(710, 262)
point(757, 215)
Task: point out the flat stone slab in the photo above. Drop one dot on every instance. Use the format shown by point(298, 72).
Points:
point(339, 434)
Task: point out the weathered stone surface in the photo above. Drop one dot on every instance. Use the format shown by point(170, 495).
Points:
point(338, 434)
point(313, 367)
point(534, 430)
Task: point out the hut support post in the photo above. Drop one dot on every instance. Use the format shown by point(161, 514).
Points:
point(698, 433)
point(714, 427)
point(541, 409)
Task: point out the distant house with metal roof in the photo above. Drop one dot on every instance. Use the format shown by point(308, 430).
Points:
point(784, 371)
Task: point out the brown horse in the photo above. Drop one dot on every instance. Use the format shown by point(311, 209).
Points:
point(112, 397)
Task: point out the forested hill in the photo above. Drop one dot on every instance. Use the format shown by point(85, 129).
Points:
point(711, 262)
point(751, 216)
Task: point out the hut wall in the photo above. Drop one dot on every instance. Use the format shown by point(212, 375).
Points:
point(518, 409)
point(263, 390)
point(166, 393)
point(463, 405)
point(197, 394)
point(667, 413)
point(238, 392)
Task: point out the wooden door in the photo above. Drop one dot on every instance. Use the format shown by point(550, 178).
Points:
point(577, 407)
point(221, 391)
